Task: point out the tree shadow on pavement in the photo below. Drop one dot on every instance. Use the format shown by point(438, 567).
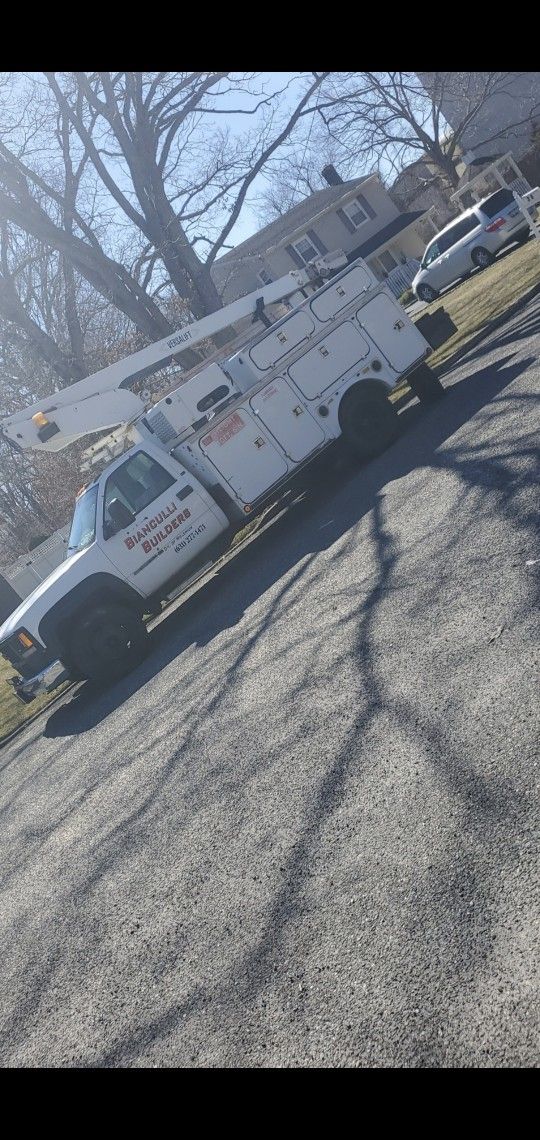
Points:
point(521, 328)
point(282, 561)
point(345, 494)
point(450, 946)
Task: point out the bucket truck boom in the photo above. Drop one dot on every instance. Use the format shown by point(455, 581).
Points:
point(104, 400)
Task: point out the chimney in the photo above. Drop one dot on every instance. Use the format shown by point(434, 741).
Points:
point(331, 175)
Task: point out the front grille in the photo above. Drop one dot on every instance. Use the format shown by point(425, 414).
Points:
point(26, 662)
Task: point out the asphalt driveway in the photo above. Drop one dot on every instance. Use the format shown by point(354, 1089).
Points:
point(305, 831)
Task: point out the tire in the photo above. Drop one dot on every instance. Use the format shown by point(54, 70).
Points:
point(426, 293)
point(523, 237)
point(482, 257)
point(425, 385)
point(109, 641)
point(368, 421)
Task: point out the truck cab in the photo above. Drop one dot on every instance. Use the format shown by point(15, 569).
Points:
point(136, 531)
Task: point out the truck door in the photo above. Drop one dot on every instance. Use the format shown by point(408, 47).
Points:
point(392, 331)
point(278, 342)
point(287, 418)
point(329, 301)
point(329, 360)
point(174, 520)
point(245, 454)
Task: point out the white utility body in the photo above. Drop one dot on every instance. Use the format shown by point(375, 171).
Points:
point(203, 458)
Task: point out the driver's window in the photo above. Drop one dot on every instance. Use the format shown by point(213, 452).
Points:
point(432, 253)
point(136, 483)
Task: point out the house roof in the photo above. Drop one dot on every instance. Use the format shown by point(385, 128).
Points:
point(304, 213)
point(382, 236)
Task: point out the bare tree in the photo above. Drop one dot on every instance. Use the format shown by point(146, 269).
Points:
point(124, 179)
point(181, 174)
point(391, 118)
point(139, 145)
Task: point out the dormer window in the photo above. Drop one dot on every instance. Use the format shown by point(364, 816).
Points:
point(355, 213)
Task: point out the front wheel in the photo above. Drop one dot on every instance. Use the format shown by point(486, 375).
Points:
point(426, 293)
point(425, 385)
point(368, 421)
point(108, 642)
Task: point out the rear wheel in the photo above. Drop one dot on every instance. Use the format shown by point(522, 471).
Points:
point(482, 257)
point(108, 642)
point(368, 421)
point(523, 236)
point(425, 385)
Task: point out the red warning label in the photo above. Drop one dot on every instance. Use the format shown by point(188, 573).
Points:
point(224, 431)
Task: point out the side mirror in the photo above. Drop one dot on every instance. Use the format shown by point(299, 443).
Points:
point(120, 517)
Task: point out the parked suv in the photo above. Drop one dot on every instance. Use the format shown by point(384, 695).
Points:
point(472, 239)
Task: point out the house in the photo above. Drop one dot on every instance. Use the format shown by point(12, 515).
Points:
point(357, 218)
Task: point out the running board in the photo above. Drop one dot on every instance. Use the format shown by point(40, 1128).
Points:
point(187, 582)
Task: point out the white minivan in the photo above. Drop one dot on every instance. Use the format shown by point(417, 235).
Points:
point(471, 240)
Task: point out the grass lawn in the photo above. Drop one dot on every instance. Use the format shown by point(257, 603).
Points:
point(483, 298)
point(471, 305)
point(487, 295)
point(12, 711)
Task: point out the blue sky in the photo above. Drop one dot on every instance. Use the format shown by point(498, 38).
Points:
point(248, 222)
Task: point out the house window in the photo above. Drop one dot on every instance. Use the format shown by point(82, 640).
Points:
point(306, 250)
point(356, 214)
point(388, 260)
point(265, 277)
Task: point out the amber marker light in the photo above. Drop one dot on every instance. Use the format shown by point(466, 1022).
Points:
point(40, 420)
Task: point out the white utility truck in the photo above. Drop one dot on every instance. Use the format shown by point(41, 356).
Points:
point(203, 459)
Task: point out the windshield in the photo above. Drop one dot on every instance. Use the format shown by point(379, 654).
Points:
point(83, 527)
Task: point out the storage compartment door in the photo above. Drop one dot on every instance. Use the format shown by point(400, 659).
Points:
point(281, 340)
point(336, 296)
point(330, 359)
point(283, 413)
point(392, 331)
point(245, 454)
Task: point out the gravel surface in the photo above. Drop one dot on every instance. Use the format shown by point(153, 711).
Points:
point(304, 832)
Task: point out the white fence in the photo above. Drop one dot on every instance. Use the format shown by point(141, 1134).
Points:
point(400, 278)
point(520, 185)
point(31, 569)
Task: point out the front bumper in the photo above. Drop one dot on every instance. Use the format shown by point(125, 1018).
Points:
point(27, 689)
